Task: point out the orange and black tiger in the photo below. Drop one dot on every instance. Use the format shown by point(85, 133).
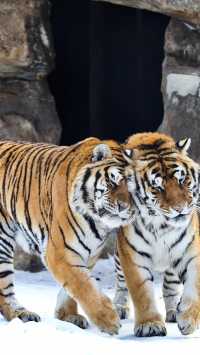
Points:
point(61, 202)
point(164, 236)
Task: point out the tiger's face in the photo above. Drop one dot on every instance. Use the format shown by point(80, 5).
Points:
point(165, 179)
point(101, 192)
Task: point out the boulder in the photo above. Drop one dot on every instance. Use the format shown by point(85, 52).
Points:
point(25, 42)
point(181, 84)
point(27, 111)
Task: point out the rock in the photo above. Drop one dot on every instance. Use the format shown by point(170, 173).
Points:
point(181, 84)
point(25, 42)
point(27, 262)
point(27, 111)
point(187, 10)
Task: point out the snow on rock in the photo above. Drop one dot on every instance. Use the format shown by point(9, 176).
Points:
point(38, 293)
point(183, 84)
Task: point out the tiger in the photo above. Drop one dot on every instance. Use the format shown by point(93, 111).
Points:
point(60, 203)
point(164, 236)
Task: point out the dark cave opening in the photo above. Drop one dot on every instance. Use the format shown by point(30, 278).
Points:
point(108, 69)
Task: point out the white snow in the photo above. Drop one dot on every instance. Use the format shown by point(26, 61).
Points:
point(51, 336)
point(183, 84)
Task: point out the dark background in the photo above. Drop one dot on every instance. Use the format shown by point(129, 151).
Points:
point(107, 78)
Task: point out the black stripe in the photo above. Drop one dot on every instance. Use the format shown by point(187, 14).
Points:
point(177, 262)
point(67, 246)
point(147, 269)
point(193, 174)
point(77, 236)
point(183, 273)
point(67, 198)
point(9, 245)
point(93, 227)
point(10, 285)
point(97, 177)
point(5, 273)
point(153, 146)
point(169, 273)
point(171, 295)
point(183, 234)
point(5, 248)
point(7, 295)
point(175, 282)
point(83, 186)
point(167, 288)
point(4, 261)
point(138, 232)
point(6, 255)
point(142, 253)
point(150, 164)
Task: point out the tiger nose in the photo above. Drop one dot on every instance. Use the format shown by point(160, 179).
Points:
point(122, 206)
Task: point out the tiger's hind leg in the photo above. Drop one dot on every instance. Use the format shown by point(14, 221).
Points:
point(121, 298)
point(171, 294)
point(9, 306)
point(66, 310)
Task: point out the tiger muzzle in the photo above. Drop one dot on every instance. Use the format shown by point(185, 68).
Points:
point(122, 197)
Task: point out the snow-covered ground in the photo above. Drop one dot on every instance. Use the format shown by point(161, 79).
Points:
point(51, 336)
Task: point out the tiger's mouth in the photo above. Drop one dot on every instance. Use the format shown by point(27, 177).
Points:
point(175, 215)
point(125, 217)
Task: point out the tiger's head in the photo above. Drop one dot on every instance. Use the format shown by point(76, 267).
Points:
point(165, 179)
point(100, 188)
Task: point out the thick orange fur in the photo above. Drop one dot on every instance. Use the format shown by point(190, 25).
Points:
point(36, 191)
point(173, 195)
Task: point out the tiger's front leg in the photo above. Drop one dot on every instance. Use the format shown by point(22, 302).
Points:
point(139, 279)
point(171, 294)
point(67, 310)
point(76, 280)
point(188, 310)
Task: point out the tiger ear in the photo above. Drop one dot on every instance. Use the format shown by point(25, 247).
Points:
point(183, 144)
point(101, 152)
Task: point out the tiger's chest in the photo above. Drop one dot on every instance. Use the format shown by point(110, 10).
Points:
point(168, 246)
point(161, 256)
point(163, 242)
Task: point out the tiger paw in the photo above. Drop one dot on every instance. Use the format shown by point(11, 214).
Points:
point(188, 318)
point(186, 324)
point(78, 320)
point(27, 316)
point(171, 316)
point(123, 311)
point(150, 329)
point(106, 317)
point(186, 327)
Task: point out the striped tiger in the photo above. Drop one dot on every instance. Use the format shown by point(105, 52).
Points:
point(61, 202)
point(164, 236)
